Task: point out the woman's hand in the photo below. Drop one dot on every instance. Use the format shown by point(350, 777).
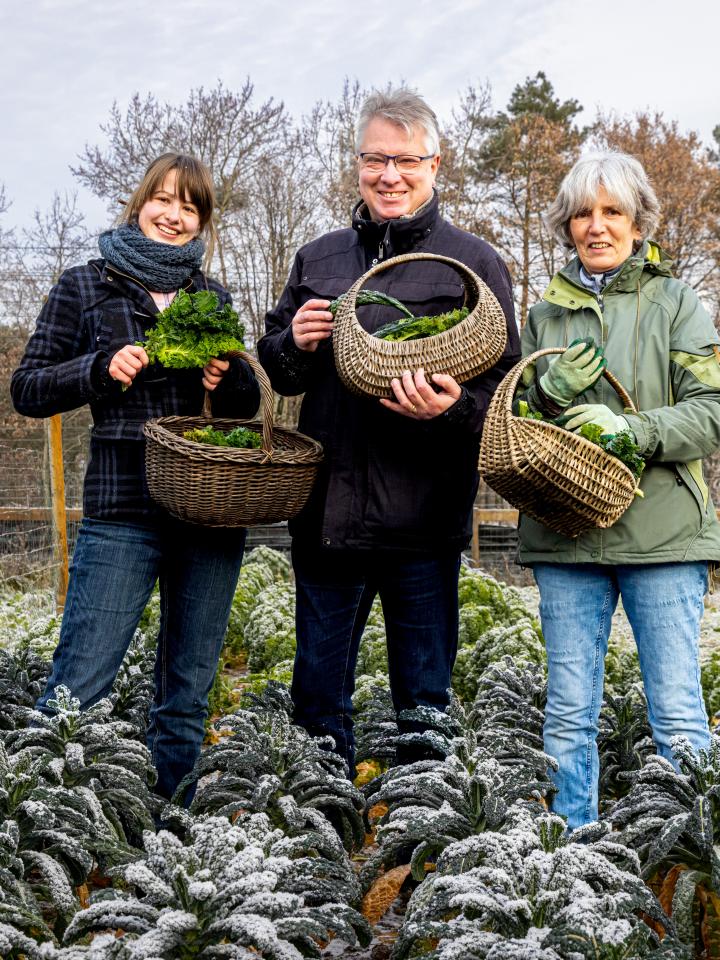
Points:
point(312, 323)
point(573, 372)
point(125, 365)
point(213, 372)
point(418, 399)
point(596, 413)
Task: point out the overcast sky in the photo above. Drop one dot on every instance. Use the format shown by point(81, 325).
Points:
point(64, 62)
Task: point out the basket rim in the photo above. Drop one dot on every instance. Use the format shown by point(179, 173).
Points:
point(411, 347)
point(157, 431)
point(577, 440)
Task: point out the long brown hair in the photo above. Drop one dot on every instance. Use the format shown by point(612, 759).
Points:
point(194, 182)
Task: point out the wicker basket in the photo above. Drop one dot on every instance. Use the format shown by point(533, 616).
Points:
point(225, 486)
point(558, 478)
point(366, 364)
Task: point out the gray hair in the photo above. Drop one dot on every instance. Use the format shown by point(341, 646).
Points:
point(626, 182)
point(403, 107)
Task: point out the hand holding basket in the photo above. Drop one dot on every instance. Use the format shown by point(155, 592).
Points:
point(558, 478)
point(366, 364)
point(226, 486)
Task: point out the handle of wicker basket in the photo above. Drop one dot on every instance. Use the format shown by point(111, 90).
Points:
point(469, 279)
point(513, 378)
point(266, 398)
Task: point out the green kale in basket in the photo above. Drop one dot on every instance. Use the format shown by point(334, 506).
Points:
point(193, 330)
point(408, 327)
point(239, 437)
point(621, 445)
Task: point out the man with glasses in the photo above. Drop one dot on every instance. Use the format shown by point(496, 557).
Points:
point(392, 508)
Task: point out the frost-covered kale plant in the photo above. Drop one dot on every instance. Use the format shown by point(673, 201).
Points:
point(624, 741)
point(270, 629)
point(89, 750)
point(507, 716)
point(222, 894)
point(375, 720)
point(132, 691)
point(672, 820)
point(29, 621)
point(433, 803)
point(527, 893)
point(262, 757)
point(521, 640)
point(22, 680)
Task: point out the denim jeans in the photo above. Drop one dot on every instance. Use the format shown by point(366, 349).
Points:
point(664, 605)
point(334, 594)
point(114, 569)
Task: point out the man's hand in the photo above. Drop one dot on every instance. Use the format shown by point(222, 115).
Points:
point(125, 365)
point(418, 399)
point(312, 323)
point(213, 372)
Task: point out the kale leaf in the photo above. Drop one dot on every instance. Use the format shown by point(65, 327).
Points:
point(193, 330)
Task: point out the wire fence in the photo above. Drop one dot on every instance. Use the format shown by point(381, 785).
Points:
point(28, 550)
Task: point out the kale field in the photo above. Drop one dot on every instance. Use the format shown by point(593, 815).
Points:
point(453, 857)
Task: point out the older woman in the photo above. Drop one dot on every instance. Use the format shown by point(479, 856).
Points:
point(657, 338)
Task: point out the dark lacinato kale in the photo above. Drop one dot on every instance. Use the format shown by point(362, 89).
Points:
point(417, 328)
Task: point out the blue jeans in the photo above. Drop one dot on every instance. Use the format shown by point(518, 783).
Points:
point(664, 605)
point(335, 591)
point(114, 569)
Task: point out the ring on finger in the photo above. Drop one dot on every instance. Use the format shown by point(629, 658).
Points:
point(413, 408)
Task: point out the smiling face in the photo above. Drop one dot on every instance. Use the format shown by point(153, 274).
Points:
point(603, 235)
point(167, 218)
point(387, 193)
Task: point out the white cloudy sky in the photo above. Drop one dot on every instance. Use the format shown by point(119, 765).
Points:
point(63, 62)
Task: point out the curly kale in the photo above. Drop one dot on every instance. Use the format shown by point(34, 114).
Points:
point(240, 437)
point(621, 445)
point(193, 330)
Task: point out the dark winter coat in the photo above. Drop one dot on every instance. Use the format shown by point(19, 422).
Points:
point(388, 482)
point(89, 315)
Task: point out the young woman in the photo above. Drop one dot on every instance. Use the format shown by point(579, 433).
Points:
point(660, 342)
point(84, 351)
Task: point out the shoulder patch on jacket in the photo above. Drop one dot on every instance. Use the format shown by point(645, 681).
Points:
point(705, 369)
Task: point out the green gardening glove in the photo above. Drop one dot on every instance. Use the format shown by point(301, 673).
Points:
point(597, 413)
point(573, 372)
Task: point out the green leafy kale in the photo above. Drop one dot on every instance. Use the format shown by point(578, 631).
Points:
point(415, 328)
point(621, 445)
point(239, 437)
point(526, 413)
point(193, 330)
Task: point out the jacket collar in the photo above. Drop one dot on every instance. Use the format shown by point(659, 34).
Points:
point(113, 279)
point(395, 236)
point(566, 289)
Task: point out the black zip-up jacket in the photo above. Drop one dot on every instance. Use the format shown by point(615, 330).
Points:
point(388, 482)
point(91, 313)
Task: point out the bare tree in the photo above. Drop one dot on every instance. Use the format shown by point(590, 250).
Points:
point(527, 152)
point(223, 128)
point(687, 182)
point(463, 195)
point(329, 136)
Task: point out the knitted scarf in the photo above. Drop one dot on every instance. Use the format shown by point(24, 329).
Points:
point(158, 266)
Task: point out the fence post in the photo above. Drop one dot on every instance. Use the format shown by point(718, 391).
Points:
point(53, 434)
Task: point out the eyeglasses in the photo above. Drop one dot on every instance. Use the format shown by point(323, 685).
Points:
point(404, 162)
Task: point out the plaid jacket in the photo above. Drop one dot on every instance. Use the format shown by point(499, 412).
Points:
point(91, 313)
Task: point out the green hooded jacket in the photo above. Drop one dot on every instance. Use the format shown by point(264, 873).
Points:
point(663, 347)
